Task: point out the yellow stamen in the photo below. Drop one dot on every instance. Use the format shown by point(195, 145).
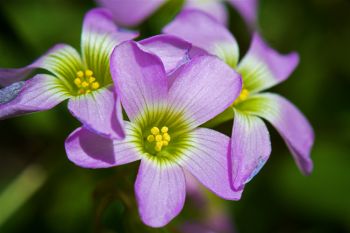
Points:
point(159, 138)
point(89, 73)
point(77, 81)
point(158, 146)
point(84, 84)
point(95, 85)
point(164, 129)
point(150, 138)
point(242, 96)
point(166, 137)
point(80, 74)
point(92, 79)
point(155, 130)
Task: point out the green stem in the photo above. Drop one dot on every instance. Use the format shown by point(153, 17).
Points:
point(20, 190)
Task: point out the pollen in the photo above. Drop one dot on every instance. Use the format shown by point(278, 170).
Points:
point(159, 138)
point(242, 96)
point(85, 82)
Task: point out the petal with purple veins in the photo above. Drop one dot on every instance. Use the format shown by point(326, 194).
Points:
point(40, 93)
point(160, 191)
point(206, 158)
point(204, 32)
point(203, 88)
point(173, 51)
point(250, 148)
point(263, 67)
point(99, 111)
point(292, 125)
point(100, 35)
point(140, 79)
point(62, 60)
point(89, 150)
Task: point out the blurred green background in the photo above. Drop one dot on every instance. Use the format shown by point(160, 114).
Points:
point(41, 191)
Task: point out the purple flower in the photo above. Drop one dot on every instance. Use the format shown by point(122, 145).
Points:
point(142, 9)
point(165, 112)
point(83, 79)
point(261, 68)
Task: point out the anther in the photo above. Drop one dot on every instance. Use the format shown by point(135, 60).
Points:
point(150, 138)
point(166, 137)
point(77, 81)
point(155, 130)
point(159, 138)
point(80, 74)
point(95, 85)
point(164, 129)
point(84, 84)
point(89, 73)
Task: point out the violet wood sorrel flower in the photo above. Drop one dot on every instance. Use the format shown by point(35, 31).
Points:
point(85, 79)
point(261, 68)
point(142, 9)
point(164, 113)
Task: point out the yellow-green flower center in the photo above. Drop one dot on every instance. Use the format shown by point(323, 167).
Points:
point(242, 96)
point(86, 82)
point(159, 138)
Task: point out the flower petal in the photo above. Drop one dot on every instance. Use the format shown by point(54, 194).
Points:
point(40, 93)
point(250, 148)
point(262, 67)
point(99, 111)
point(61, 60)
point(215, 8)
point(171, 50)
point(140, 79)
point(207, 159)
point(248, 10)
point(160, 192)
point(89, 150)
point(100, 35)
point(289, 122)
point(192, 25)
point(203, 88)
point(131, 12)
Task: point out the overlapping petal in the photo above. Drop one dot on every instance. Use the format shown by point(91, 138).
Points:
point(173, 51)
point(100, 35)
point(99, 111)
point(206, 33)
point(140, 80)
point(61, 60)
point(40, 93)
point(131, 12)
point(289, 122)
point(262, 67)
point(250, 148)
point(215, 8)
point(160, 191)
point(248, 10)
point(89, 150)
point(207, 159)
point(203, 88)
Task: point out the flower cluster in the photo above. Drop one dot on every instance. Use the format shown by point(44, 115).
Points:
point(169, 85)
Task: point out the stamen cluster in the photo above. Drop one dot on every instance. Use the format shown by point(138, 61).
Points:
point(242, 96)
point(160, 138)
point(86, 82)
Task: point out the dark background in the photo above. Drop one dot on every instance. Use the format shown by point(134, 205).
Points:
point(41, 191)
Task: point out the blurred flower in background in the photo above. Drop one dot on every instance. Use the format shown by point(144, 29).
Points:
point(133, 12)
